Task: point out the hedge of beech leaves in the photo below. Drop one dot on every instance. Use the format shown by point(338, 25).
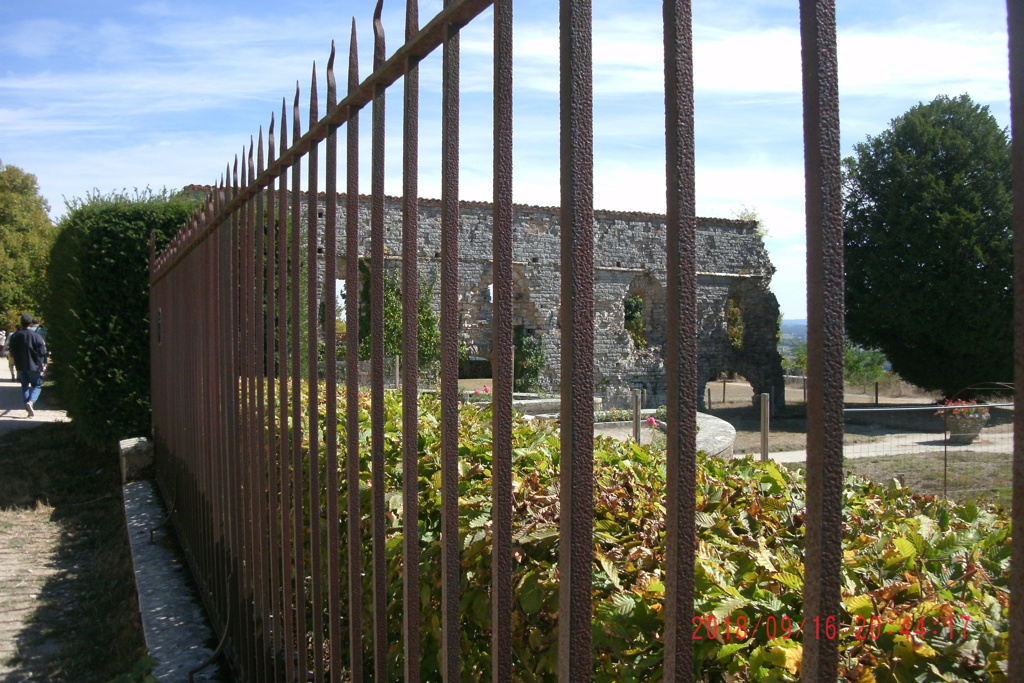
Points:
point(925, 581)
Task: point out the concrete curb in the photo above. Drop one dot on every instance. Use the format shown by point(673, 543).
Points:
point(176, 629)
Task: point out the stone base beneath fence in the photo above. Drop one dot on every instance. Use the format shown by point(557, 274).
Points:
point(136, 459)
point(177, 632)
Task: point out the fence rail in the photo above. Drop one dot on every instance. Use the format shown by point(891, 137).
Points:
point(256, 480)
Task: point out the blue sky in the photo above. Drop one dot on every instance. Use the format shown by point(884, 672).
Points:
point(110, 95)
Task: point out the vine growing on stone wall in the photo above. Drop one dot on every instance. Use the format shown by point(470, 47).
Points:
point(734, 324)
point(633, 308)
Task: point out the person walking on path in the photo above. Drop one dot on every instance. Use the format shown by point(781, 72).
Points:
point(29, 351)
point(7, 353)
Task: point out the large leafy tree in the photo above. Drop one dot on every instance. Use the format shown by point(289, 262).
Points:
point(26, 234)
point(929, 253)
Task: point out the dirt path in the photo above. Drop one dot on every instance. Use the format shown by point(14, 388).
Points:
point(28, 542)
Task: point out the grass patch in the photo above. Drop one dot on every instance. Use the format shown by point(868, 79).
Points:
point(966, 476)
point(89, 606)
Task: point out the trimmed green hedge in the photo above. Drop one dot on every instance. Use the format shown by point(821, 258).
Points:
point(97, 310)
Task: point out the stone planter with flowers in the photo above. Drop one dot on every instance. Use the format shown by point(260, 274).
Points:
point(963, 420)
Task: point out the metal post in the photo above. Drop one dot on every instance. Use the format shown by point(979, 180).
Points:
point(1015, 20)
point(636, 415)
point(765, 418)
point(576, 497)
point(945, 452)
point(723, 391)
point(823, 541)
point(876, 393)
point(398, 369)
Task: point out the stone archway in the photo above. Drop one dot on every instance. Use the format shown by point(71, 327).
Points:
point(644, 311)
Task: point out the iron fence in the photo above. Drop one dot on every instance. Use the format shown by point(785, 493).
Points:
point(245, 460)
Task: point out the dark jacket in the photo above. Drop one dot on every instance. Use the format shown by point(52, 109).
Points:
point(28, 349)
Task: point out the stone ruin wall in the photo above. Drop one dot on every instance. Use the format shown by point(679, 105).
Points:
point(628, 259)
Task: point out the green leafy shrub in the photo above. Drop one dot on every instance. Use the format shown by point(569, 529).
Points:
point(613, 415)
point(530, 360)
point(427, 326)
point(633, 311)
point(97, 309)
point(910, 562)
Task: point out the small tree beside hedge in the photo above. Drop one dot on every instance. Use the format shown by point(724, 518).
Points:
point(97, 309)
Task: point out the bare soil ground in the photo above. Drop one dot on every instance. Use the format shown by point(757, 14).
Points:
point(28, 542)
point(966, 476)
point(787, 431)
point(68, 609)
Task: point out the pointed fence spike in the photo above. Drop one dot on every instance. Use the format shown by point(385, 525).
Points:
point(296, 126)
point(353, 60)
point(378, 36)
point(259, 152)
point(332, 85)
point(314, 102)
point(412, 19)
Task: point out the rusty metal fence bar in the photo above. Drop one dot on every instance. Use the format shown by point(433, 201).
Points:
point(410, 358)
point(236, 418)
point(1015, 21)
point(501, 406)
point(355, 572)
point(823, 544)
point(681, 356)
point(576, 465)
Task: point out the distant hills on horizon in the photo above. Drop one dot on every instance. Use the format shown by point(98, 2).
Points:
point(793, 330)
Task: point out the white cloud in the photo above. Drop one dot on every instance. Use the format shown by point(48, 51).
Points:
point(166, 93)
point(36, 39)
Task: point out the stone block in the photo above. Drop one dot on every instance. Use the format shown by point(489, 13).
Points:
point(136, 457)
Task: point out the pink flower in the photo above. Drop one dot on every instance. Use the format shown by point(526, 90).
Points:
point(476, 393)
point(487, 389)
point(651, 422)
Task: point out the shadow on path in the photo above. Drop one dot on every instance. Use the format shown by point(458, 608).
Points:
point(68, 610)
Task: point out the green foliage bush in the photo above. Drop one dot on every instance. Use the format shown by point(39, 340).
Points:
point(908, 561)
point(928, 245)
point(427, 328)
point(530, 360)
point(97, 309)
point(633, 310)
point(860, 365)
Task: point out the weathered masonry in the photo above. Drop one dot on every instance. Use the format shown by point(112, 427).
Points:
point(738, 320)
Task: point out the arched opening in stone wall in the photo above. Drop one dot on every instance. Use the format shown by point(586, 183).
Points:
point(530, 363)
point(476, 316)
point(751, 321)
point(477, 312)
point(734, 320)
point(633, 313)
point(643, 310)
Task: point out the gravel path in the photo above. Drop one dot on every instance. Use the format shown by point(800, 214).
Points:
point(28, 542)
